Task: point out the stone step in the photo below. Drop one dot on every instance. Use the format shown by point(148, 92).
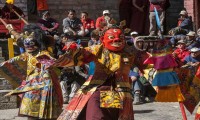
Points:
point(8, 102)
point(8, 114)
point(20, 118)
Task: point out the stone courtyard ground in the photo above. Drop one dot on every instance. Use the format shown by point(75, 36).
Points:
point(148, 111)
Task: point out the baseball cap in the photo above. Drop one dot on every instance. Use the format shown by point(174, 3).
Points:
point(183, 12)
point(191, 33)
point(134, 33)
point(106, 12)
point(195, 49)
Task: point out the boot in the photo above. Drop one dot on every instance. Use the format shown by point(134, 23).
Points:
point(136, 99)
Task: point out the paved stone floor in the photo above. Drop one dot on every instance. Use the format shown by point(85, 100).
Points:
point(159, 111)
point(148, 111)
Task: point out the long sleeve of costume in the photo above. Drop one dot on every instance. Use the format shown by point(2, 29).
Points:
point(14, 70)
point(39, 89)
point(77, 57)
point(80, 72)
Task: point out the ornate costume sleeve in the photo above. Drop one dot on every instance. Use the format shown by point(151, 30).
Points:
point(78, 57)
point(14, 70)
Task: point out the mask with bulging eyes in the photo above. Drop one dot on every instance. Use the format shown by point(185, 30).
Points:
point(114, 39)
point(30, 43)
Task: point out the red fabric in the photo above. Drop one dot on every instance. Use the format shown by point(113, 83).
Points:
point(42, 5)
point(98, 113)
point(88, 23)
point(139, 19)
point(57, 87)
point(73, 46)
point(179, 22)
point(125, 11)
point(197, 116)
point(181, 54)
point(100, 23)
point(162, 6)
point(198, 72)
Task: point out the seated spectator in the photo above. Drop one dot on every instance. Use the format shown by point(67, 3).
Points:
point(94, 38)
point(88, 23)
point(61, 43)
point(176, 38)
point(133, 35)
point(191, 40)
point(184, 24)
point(181, 52)
point(7, 13)
point(73, 25)
point(198, 35)
point(48, 24)
point(136, 87)
point(193, 59)
point(72, 79)
point(104, 21)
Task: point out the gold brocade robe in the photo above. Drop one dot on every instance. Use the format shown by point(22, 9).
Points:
point(107, 63)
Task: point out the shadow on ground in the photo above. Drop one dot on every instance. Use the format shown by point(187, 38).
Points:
point(143, 111)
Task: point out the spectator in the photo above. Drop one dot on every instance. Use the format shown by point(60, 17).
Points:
point(80, 78)
point(61, 43)
point(94, 41)
point(7, 13)
point(73, 25)
point(181, 52)
point(161, 6)
point(104, 21)
point(48, 24)
point(65, 83)
point(198, 35)
point(94, 38)
point(194, 58)
point(176, 38)
point(125, 11)
point(133, 35)
point(191, 40)
point(71, 80)
point(88, 23)
point(136, 87)
point(184, 24)
point(139, 16)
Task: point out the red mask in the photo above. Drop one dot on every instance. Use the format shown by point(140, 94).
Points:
point(114, 40)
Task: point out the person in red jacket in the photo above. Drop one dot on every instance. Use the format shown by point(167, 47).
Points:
point(88, 23)
point(104, 21)
point(181, 52)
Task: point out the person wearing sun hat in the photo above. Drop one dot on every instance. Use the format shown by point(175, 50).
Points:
point(192, 62)
point(191, 40)
point(6, 12)
point(184, 24)
point(185, 21)
point(194, 57)
point(181, 52)
point(132, 37)
point(104, 21)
